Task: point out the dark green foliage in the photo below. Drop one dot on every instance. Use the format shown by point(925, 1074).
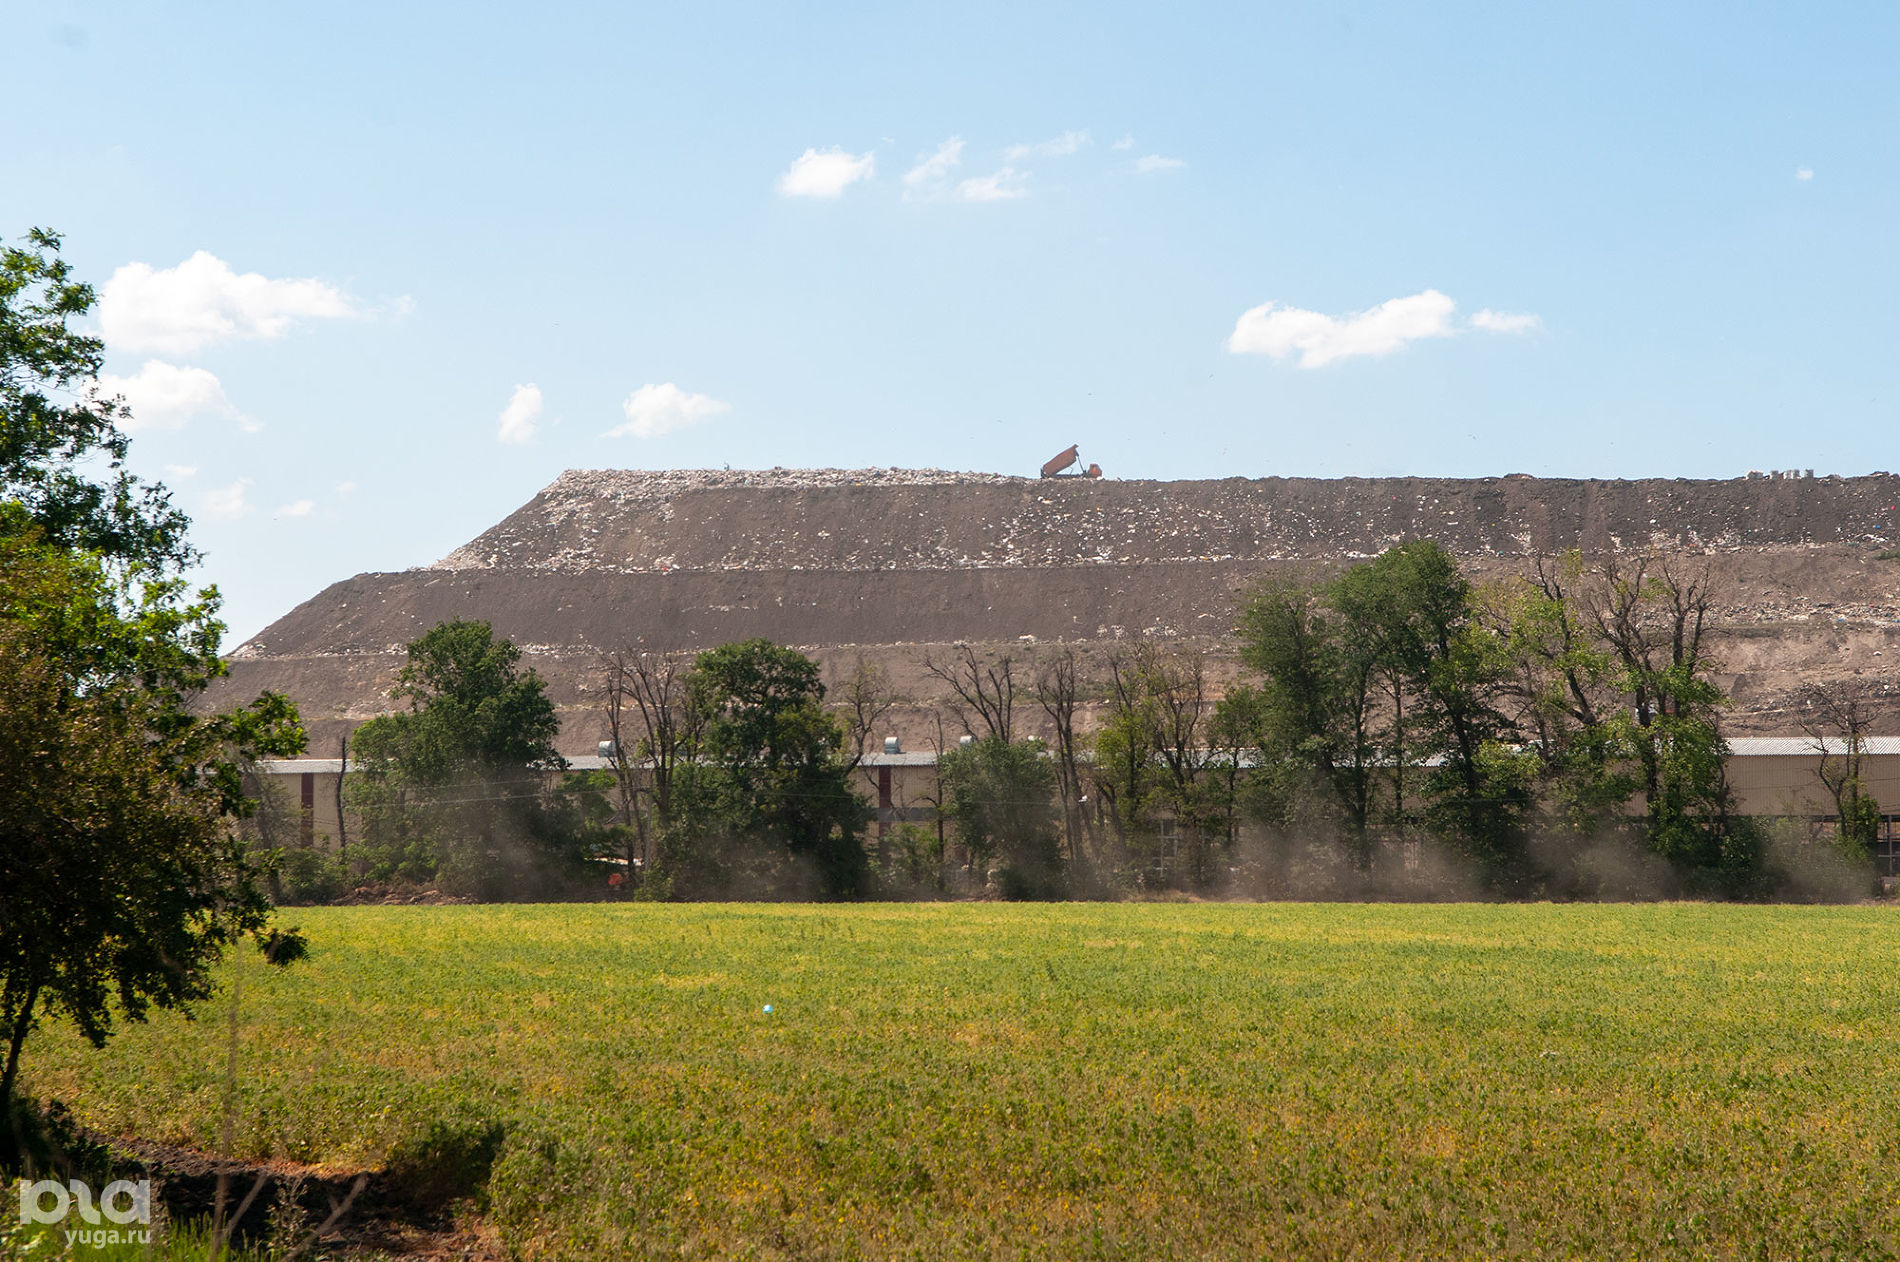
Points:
point(1412, 609)
point(1398, 703)
point(1001, 796)
point(120, 880)
point(1860, 823)
point(62, 453)
point(912, 857)
point(1311, 717)
point(458, 790)
point(471, 705)
point(304, 875)
point(1381, 702)
point(40, 1141)
point(1165, 774)
point(762, 804)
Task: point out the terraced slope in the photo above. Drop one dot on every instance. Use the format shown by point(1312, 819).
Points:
point(882, 564)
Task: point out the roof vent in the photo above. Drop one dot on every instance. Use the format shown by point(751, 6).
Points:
point(892, 745)
point(606, 749)
point(965, 741)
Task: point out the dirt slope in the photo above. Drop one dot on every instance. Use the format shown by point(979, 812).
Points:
point(882, 564)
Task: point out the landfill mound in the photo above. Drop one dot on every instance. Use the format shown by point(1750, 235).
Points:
point(879, 565)
point(628, 521)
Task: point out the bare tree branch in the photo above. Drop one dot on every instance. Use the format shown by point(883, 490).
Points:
point(983, 691)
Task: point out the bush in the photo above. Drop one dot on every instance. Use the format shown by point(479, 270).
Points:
point(306, 875)
point(910, 862)
point(1002, 798)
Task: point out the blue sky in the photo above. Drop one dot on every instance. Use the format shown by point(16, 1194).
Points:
point(337, 239)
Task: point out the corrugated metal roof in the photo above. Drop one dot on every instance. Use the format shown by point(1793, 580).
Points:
point(1738, 747)
point(579, 762)
point(1803, 746)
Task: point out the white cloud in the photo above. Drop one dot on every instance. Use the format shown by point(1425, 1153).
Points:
point(343, 489)
point(827, 174)
point(181, 471)
point(202, 302)
point(165, 396)
point(302, 508)
point(518, 419)
point(655, 410)
point(1126, 142)
point(1505, 321)
point(1277, 331)
point(1804, 173)
point(998, 186)
point(1061, 147)
point(933, 169)
point(1148, 164)
point(227, 502)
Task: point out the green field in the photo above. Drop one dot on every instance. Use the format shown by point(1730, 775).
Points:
point(1073, 1081)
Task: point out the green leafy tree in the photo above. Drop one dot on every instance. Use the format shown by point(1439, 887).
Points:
point(1836, 716)
point(1382, 692)
point(1314, 716)
point(457, 788)
point(763, 802)
point(62, 453)
point(1568, 688)
point(1652, 619)
point(1121, 766)
point(121, 881)
point(1447, 671)
point(1002, 797)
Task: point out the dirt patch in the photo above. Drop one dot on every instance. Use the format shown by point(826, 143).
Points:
point(349, 1213)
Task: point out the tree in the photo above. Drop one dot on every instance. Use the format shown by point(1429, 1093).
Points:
point(62, 453)
point(457, 788)
point(1315, 705)
point(1448, 669)
point(1384, 669)
point(1567, 686)
point(1652, 619)
point(1835, 717)
point(982, 691)
point(1122, 766)
point(766, 798)
point(1059, 693)
point(651, 727)
point(1001, 796)
point(121, 882)
point(864, 697)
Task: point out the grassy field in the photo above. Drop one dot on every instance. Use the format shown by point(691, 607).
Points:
point(1077, 1081)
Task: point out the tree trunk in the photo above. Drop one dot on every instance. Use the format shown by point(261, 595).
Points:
point(342, 768)
point(16, 1039)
